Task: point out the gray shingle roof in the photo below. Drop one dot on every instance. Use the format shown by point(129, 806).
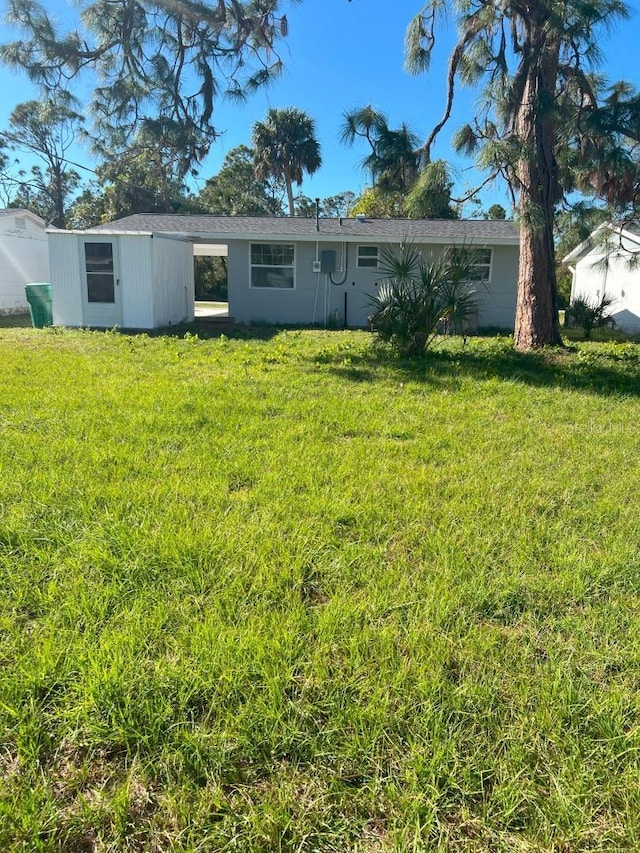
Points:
point(229, 227)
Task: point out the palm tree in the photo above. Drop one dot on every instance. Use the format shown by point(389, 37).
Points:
point(392, 162)
point(285, 147)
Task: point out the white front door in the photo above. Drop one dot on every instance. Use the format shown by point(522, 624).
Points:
point(101, 297)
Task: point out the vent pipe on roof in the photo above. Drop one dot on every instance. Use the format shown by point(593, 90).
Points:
point(317, 214)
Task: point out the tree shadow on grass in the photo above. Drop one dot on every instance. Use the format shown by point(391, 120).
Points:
point(15, 321)
point(210, 331)
point(595, 372)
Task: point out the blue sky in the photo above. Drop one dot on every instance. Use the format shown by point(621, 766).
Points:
point(340, 55)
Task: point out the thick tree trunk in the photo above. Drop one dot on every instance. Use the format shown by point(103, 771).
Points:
point(537, 322)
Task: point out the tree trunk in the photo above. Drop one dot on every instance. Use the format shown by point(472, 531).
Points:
point(59, 196)
point(288, 184)
point(537, 322)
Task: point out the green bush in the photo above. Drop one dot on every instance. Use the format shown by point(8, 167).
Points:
point(590, 314)
point(417, 299)
point(211, 278)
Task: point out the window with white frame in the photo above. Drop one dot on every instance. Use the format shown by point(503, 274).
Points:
point(100, 272)
point(367, 256)
point(480, 261)
point(272, 265)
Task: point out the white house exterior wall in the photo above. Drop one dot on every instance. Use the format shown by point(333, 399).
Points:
point(592, 279)
point(173, 281)
point(66, 282)
point(315, 299)
point(24, 259)
point(135, 271)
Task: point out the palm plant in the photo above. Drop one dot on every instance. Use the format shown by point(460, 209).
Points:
point(392, 161)
point(591, 314)
point(285, 147)
point(417, 299)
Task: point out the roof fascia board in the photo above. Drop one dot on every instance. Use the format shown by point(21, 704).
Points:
point(172, 235)
point(91, 232)
point(224, 236)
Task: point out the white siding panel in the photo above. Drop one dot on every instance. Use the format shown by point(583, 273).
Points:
point(22, 225)
point(66, 282)
point(24, 259)
point(593, 278)
point(173, 281)
point(623, 284)
point(135, 272)
point(590, 277)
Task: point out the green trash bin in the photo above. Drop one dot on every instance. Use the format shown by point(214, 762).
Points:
point(39, 299)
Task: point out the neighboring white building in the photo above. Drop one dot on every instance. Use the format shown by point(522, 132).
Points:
point(604, 264)
point(24, 257)
point(280, 270)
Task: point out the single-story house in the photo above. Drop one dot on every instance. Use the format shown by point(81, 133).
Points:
point(608, 262)
point(138, 271)
point(24, 257)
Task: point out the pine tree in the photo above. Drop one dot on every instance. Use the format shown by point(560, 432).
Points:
point(531, 60)
point(148, 55)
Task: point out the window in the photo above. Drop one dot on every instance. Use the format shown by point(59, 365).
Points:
point(272, 265)
point(481, 260)
point(100, 272)
point(367, 256)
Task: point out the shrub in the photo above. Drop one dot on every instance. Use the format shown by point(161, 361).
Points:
point(590, 314)
point(417, 299)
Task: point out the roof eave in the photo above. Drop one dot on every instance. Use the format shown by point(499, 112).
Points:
point(96, 232)
point(323, 237)
point(586, 245)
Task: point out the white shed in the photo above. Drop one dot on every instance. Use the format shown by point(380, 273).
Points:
point(135, 280)
point(24, 257)
point(608, 262)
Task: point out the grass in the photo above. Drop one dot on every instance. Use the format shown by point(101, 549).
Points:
point(282, 592)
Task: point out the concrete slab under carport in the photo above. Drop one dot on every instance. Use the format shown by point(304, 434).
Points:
point(204, 310)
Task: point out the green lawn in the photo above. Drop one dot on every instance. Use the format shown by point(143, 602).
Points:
point(282, 593)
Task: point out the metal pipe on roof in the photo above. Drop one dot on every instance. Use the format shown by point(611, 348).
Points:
point(317, 214)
